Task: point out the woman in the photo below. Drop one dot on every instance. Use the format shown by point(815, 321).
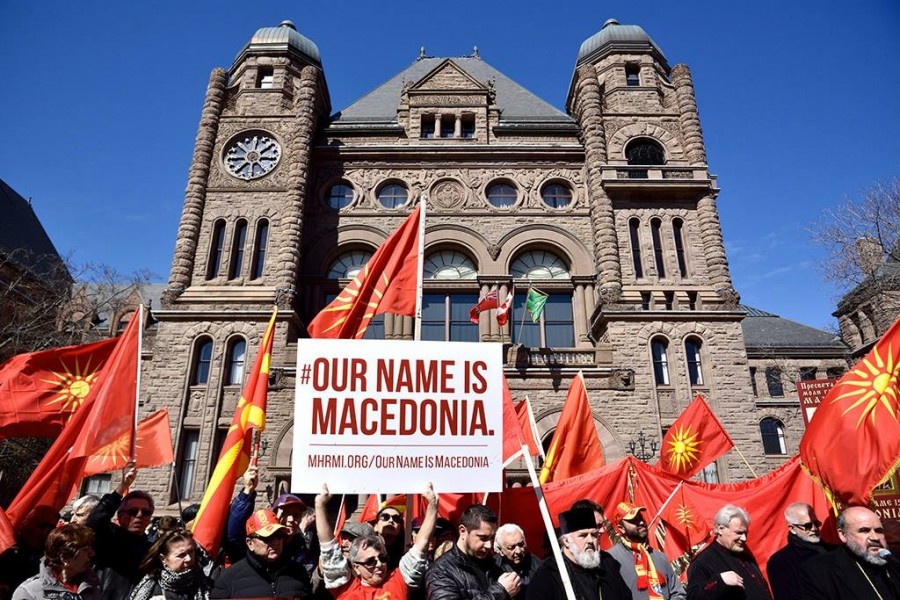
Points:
point(171, 570)
point(65, 568)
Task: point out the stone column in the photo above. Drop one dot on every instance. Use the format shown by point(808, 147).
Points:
point(689, 117)
point(579, 319)
point(588, 109)
point(457, 127)
point(485, 323)
point(504, 332)
point(303, 131)
point(195, 195)
point(714, 247)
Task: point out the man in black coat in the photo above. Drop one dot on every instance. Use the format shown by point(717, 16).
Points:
point(467, 571)
point(512, 555)
point(726, 570)
point(593, 572)
point(803, 543)
point(265, 572)
point(857, 570)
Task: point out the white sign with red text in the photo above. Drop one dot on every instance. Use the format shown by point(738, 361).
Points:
point(374, 416)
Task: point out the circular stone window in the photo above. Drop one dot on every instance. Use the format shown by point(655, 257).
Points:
point(251, 155)
point(556, 195)
point(502, 194)
point(392, 195)
point(339, 196)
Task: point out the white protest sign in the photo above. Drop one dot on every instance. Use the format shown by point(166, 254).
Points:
point(375, 416)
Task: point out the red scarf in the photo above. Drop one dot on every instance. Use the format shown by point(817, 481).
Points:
point(648, 578)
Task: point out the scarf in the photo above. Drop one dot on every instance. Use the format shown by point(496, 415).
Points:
point(170, 581)
point(648, 578)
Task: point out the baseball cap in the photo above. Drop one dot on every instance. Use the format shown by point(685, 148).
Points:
point(264, 523)
point(357, 529)
point(286, 499)
point(626, 511)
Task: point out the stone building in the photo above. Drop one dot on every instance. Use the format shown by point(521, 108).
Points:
point(608, 207)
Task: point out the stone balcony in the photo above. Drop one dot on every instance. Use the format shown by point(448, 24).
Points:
point(635, 180)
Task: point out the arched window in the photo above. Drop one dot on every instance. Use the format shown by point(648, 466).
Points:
point(678, 237)
point(445, 315)
point(554, 325)
point(634, 229)
point(692, 347)
point(237, 249)
point(772, 432)
point(392, 195)
point(339, 196)
point(774, 383)
point(502, 194)
point(216, 250)
point(659, 348)
point(644, 151)
point(655, 225)
point(235, 357)
point(347, 265)
point(259, 249)
point(538, 264)
point(449, 264)
point(556, 195)
point(201, 361)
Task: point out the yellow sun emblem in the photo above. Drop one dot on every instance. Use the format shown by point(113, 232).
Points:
point(684, 515)
point(347, 299)
point(73, 385)
point(875, 385)
point(683, 450)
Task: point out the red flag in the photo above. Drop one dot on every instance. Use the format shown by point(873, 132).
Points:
point(527, 427)
point(387, 283)
point(504, 308)
point(862, 409)
point(686, 527)
point(152, 448)
point(693, 441)
point(341, 519)
point(235, 455)
point(512, 435)
point(40, 391)
point(55, 479)
point(7, 535)
point(487, 303)
point(575, 448)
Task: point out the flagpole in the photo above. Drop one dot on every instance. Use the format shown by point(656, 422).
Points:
point(548, 525)
point(534, 432)
point(665, 504)
point(420, 267)
point(522, 325)
point(137, 385)
point(744, 458)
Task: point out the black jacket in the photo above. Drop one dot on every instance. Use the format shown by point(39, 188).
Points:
point(783, 567)
point(117, 552)
point(525, 572)
point(839, 575)
point(704, 582)
point(250, 578)
point(586, 583)
point(456, 576)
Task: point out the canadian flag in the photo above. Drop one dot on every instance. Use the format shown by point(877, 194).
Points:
point(503, 309)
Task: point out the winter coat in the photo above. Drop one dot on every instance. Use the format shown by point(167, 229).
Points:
point(705, 583)
point(839, 575)
point(587, 584)
point(251, 578)
point(457, 576)
point(783, 567)
point(44, 586)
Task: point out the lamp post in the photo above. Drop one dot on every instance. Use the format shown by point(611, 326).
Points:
point(644, 448)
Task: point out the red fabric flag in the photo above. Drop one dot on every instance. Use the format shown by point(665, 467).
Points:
point(234, 458)
point(527, 427)
point(487, 303)
point(575, 447)
point(693, 441)
point(56, 478)
point(152, 448)
point(7, 535)
point(504, 308)
point(387, 283)
point(341, 518)
point(862, 411)
point(512, 435)
point(40, 391)
point(685, 526)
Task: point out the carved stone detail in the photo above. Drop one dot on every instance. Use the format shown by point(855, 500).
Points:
point(448, 193)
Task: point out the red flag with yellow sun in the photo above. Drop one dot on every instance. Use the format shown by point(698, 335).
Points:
point(40, 391)
point(693, 441)
point(852, 443)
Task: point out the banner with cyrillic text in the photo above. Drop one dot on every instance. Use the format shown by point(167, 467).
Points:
point(375, 416)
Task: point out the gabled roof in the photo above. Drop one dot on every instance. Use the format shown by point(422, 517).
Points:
point(515, 102)
point(767, 330)
point(24, 239)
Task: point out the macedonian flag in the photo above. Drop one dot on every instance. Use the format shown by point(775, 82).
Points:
point(40, 391)
point(387, 283)
point(852, 443)
point(693, 441)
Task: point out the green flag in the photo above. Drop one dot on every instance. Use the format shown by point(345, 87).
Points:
point(534, 304)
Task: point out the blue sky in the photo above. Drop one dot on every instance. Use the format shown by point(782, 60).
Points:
point(798, 100)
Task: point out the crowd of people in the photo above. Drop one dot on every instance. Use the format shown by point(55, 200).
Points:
point(111, 548)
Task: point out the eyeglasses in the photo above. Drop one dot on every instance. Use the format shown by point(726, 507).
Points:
point(373, 561)
point(395, 518)
point(144, 512)
point(807, 526)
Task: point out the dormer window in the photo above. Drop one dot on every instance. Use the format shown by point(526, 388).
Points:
point(427, 127)
point(468, 126)
point(265, 78)
point(448, 126)
point(632, 75)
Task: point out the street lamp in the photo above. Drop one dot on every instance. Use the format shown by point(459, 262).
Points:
point(643, 448)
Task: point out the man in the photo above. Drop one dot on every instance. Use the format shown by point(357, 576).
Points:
point(603, 524)
point(468, 570)
point(646, 572)
point(264, 572)
point(593, 572)
point(803, 543)
point(81, 509)
point(726, 569)
point(857, 570)
point(389, 525)
point(120, 548)
point(512, 555)
point(365, 574)
point(443, 531)
point(302, 545)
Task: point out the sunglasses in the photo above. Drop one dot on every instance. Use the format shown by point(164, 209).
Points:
point(395, 518)
point(807, 526)
point(144, 512)
point(373, 561)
